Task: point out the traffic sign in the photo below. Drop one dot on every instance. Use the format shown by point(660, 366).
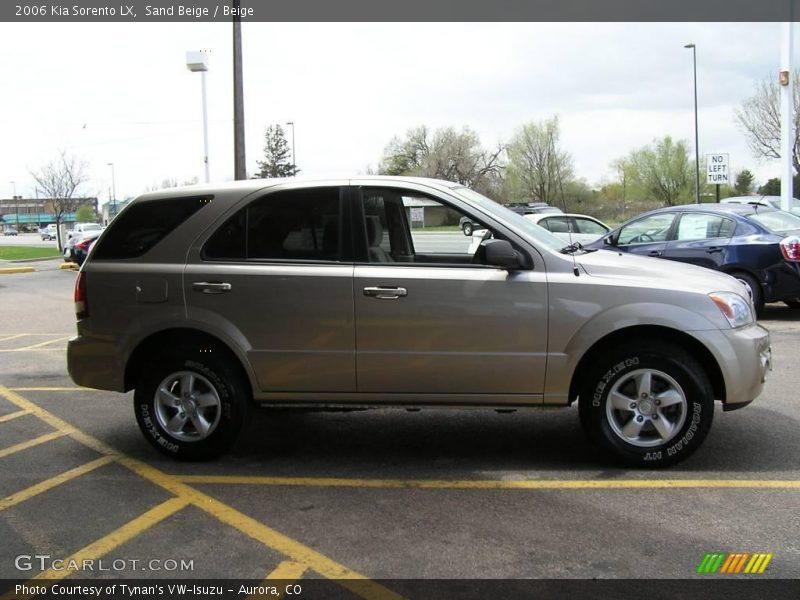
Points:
point(717, 169)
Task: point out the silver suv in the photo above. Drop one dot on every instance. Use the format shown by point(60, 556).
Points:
point(363, 293)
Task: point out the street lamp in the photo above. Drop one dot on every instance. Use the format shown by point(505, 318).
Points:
point(294, 159)
point(197, 62)
point(113, 188)
point(696, 137)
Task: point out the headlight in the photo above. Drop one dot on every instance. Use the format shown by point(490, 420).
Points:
point(735, 308)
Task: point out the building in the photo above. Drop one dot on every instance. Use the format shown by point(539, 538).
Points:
point(29, 214)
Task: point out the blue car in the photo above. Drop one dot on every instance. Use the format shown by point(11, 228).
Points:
point(757, 245)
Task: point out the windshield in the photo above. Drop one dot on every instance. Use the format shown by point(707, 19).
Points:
point(537, 235)
point(776, 221)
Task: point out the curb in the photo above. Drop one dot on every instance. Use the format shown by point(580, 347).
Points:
point(41, 259)
point(10, 270)
point(68, 265)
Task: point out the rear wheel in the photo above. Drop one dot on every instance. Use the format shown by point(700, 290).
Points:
point(753, 288)
point(793, 303)
point(648, 404)
point(191, 404)
point(467, 228)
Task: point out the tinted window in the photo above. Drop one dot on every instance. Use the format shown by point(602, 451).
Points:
point(647, 230)
point(702, 226)
point(142, 225)
point(291, 225)
point(589, 226)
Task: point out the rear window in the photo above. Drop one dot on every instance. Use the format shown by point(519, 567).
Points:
point(142, 225)
point(777, 221)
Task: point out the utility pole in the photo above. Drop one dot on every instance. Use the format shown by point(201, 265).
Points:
point(239, 161)
point(787, 112)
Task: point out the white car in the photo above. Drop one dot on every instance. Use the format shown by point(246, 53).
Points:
point(571, 227)
point(75, 236)
point(771, 201)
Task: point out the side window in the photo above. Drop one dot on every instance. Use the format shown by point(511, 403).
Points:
point(290, 225)
point(698, 226)
point(555, 224)
point(589, 226)
point(143, 224)
point(654, 228)
point(404, 226)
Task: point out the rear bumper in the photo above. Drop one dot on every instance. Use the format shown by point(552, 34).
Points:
point(94, 363)
point(744, 356)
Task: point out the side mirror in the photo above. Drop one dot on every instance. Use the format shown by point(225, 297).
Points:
point(609, 240)
point(500, 253)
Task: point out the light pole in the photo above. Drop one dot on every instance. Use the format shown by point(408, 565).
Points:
point(294, 158)
point(696, 137)
point(16, 203)
point(197, 62)
point(113, 188)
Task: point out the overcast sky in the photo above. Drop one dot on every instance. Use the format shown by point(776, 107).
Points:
point(121, 93)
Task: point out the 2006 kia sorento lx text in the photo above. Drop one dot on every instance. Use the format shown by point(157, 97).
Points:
point(336, 293)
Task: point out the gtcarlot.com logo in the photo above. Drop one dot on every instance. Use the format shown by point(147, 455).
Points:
point(734, 563)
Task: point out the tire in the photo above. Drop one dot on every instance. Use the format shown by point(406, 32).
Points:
point(467, 228)
point(753, 287)
point(632, 427)
point(223, 401)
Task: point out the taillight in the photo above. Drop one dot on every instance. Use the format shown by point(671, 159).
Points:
point(84, 245)
point(790, 248)
point(81, 302)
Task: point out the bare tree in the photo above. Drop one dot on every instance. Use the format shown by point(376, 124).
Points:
point(59, 180)
point(446, 154)
point(760, 119)
point(537, 167)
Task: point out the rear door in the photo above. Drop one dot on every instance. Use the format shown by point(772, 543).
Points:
point(276, 278)
point(430, 319)
point(701, 239)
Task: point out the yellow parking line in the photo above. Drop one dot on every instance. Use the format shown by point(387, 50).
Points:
point(31, 443)
point(490, 484)
point(116, 538)
point(288, 571)
point(37, 346)
point(13, 337)
point(54, 389)
point(57, 480)
point(299, 553)
point(14, 415)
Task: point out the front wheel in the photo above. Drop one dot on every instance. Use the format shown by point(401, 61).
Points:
point(191, 404)
point(649, 405)
point(467, 228)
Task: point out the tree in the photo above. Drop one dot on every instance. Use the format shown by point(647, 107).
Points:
point(277, 155)
point(85, 214)
point(760, 119)
point(744, 182)
point(773, 186)
point(663, 171)
point(59, 180)
point(537, 168)
point(446, 154)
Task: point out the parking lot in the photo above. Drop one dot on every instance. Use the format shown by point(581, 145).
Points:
point(365, 496)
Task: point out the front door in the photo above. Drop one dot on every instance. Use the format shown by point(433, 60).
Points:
point(430, 319)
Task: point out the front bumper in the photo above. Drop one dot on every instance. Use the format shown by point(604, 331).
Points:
point(744, 356)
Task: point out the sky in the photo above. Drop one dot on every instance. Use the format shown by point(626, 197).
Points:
point(121, 93)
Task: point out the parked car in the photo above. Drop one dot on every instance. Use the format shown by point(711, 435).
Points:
point(531, 208)
point(77, 252)
point(571, 227)
point(48, 233)
point(208, 300)
point(757, 245)
point(10, 231)
point(771, 201)
point(81, 230)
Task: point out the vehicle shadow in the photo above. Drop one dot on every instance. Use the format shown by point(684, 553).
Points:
point(482, 444)
point(778, 312)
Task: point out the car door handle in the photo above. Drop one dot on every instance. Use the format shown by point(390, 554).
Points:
point(385, 293)
point(655, 253)
point(713, 249)
point(211, 287)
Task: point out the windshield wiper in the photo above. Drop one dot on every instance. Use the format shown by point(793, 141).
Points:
point(573, 247)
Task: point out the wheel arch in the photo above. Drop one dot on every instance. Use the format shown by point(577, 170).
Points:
point(642, 333)
point(201, 341)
